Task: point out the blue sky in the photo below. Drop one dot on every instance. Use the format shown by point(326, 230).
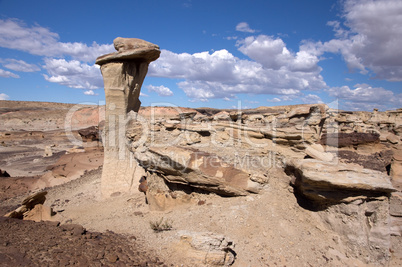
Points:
point(214, 53)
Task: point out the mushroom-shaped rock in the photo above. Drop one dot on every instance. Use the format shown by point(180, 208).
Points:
point(123, 74)
point(131, 49)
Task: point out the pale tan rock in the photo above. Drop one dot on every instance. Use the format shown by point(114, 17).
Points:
point(396, 168)
point(48, 151)
point(323, 181)
point(32, 205)
point(206, 248)
point(198, 169)
point(362, 224)
point(395, 204)
point(190, 138)
point(222, 116)
point(131, 49)
point(123, 74)
point(39, 213)
point(393, 139)
point(316, 151)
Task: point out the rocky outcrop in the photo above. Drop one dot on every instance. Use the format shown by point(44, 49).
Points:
point(349, 139)
point(197, 169)
point(396, 167)
point(328, 183)
point(32, 209)
point(363, 226)
point(123, 74)
point(89, 134)
point(4, 173)
point(208, 249)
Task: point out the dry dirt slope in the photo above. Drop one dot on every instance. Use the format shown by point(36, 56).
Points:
point(270, 229)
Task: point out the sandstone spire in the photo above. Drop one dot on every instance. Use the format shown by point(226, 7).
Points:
point(123, 74)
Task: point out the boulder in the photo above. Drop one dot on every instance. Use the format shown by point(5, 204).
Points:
point(161, 197)
point(328, 183)
point(129, 49)
point(32, 209)
point(197, 169)
point(222, 116)
point(39, 213)
point(393, 139)
point(89, 134)
point(34, 199)
point(206, 248)
point(316, 151)
point(4, 173)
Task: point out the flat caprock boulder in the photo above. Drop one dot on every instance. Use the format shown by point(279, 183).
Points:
point(198, 169)
point(331, 183)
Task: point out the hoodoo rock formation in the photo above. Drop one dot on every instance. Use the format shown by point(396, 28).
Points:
point(123, 74)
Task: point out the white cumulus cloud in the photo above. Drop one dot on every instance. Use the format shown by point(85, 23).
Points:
point(365, 97)
point(220, 74)
point(74, 73)
point(370, 38)
point(90, 92)
point(311, 99)
point(19, 65)
point(37, 40)
point(4, 96)
point(160, 90)
point(8, 74)
point(272, 53)
point(244, 27)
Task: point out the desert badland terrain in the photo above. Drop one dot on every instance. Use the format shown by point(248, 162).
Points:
point(302, 185)
point(264, 187)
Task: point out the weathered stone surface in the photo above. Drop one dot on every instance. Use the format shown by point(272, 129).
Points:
point(48, 151)
point(393, 139)
point(32, 209)
point(325, 182)
point(349, 139)
point(362, 224)
point(4, 173)
point(206, 248)
point(396, 168)
point(378, 161)
point(316, 151)
point(197, 169)
point(39, 213)
point(89, 134)
point(131, 49)
point(395, 204)
point(123, 74)
point(32, 200)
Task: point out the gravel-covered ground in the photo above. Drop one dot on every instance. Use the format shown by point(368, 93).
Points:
point(27, 243)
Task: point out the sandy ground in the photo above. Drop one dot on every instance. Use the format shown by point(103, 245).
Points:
point(269, 229)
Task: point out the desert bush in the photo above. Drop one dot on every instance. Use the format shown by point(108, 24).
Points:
point(160, 225)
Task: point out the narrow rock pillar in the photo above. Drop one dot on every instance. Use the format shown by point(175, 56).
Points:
point(123, 74)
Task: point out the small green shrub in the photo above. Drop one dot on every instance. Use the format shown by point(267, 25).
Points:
point(159, 226)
